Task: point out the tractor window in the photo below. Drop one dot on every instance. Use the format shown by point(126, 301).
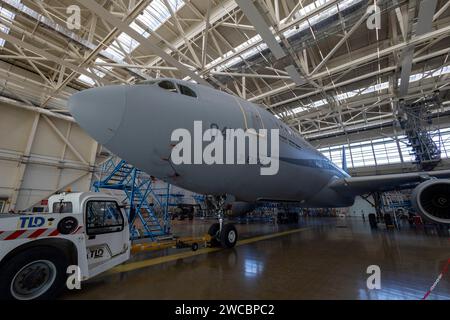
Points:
point(62, 207)
point(187, 91)
point(167, 85)
point(103, 217)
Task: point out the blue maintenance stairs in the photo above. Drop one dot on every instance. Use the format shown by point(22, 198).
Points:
point(147, 206)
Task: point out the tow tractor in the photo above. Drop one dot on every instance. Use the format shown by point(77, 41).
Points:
point(88, 230)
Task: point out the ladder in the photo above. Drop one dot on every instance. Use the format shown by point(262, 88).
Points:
point(416, 119)
point(395, 200)
point(148, 216)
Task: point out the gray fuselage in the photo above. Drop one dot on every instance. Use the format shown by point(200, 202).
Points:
point(135, 122)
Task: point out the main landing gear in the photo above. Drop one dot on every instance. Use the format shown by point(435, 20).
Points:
point(222, 234)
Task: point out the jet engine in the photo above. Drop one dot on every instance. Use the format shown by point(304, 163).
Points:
point(432, 200)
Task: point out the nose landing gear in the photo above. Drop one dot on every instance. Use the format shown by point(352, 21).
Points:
point(224, 235)
point(227, 237)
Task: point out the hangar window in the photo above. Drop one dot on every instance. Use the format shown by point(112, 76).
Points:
point(375, 152)
point(187, 91)
point(167, 85)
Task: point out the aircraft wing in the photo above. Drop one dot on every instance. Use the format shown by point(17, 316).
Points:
point(362, 185)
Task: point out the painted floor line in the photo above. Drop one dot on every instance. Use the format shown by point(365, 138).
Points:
point(155, 261)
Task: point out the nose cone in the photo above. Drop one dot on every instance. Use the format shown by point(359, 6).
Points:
point(99, 111)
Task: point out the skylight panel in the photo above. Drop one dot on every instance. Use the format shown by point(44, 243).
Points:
point(245, 53)
point(114, 52)
point(5, 30)
point(377, 87)
point(127, 43)
point(370, 89)
point(159, 12)
point(8, 15)
point(346, 95)
point(296, 29)
point(152, 17)
point(427, 75)
point(156, 14)
point(123, 43)
point(98, 73)
point(138, 29)
point(86, 79)
point(318, 17)
point(440, 72)
point(298, 109)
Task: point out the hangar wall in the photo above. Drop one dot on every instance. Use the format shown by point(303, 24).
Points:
point(361, 207)
point(442, 121)
point(40, 155)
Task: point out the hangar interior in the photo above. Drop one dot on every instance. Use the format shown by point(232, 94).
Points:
point(365, 82)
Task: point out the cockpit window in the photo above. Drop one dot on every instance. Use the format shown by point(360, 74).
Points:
point(167, 85)
point(187, 91)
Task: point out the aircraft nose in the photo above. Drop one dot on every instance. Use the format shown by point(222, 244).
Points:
point(99, 111)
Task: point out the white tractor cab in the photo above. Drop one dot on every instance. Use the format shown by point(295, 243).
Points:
point(88, 230)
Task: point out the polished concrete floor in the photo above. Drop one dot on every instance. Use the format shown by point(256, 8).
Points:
point(326, 259)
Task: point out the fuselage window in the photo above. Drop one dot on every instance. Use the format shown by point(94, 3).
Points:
point(187, 91)
point(167, 85)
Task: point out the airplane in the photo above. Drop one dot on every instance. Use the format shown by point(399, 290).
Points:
point(136, 123)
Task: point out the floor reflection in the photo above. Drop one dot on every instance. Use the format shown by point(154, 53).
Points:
point(327, 261)
point(253, 267)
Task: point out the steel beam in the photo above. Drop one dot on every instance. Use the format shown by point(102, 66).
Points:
point(144, 42)
point(356, 62)
point(424, 25)
point(252, 13)
point(48, 56)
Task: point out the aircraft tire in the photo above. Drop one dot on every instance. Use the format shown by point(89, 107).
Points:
point(214, 233)
point(228, 236)
point(47, 267)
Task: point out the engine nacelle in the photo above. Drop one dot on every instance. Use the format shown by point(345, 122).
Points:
point(432, 200)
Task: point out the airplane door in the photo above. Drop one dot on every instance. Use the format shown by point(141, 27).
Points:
point(106, 230)
point(250, 113)
point(254, 119)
